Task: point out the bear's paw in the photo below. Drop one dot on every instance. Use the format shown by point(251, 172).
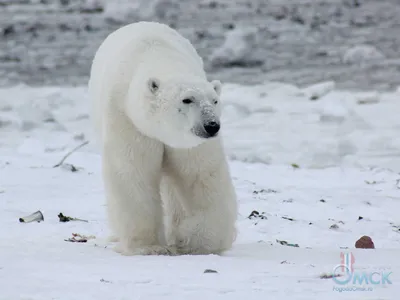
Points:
point(147, 250)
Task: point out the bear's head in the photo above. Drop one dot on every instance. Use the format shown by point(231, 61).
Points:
point(180, 112)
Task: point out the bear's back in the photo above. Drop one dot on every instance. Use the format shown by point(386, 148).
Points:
point(124, 47)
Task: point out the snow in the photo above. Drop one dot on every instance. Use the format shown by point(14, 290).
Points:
point(303, 165)
point(319, 90)
point(273, 123)
point(238, 49)
point(361, 53)
point(142, 9)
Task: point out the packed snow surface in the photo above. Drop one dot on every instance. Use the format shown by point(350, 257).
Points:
point(316, 168)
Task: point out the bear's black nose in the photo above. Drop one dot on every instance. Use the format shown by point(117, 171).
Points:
point(212, 128)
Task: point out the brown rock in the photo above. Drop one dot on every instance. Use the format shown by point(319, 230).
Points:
point(365, 242)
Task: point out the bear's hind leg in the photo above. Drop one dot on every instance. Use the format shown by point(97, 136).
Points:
point(206, 232)
point(209, 227)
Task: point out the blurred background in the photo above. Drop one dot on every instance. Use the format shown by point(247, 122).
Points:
point(352, 42)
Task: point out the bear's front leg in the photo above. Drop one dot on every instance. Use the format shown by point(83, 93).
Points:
point(131, 172)
point(173, 209)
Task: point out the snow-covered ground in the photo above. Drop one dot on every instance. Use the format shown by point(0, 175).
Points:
point(275, 123)
point(320, 166)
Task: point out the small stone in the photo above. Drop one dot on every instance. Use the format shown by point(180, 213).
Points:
point(8, 30)
point(210, 271)
point(69, 167)
point(365, 242)
point(334, 226)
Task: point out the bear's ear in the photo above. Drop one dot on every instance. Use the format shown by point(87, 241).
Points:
point(153, 84)
point(217, 86)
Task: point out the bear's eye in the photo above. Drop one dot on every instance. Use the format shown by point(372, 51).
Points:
point(187, 101)
point(215, 101)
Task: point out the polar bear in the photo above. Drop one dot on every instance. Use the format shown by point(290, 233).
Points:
point(157, 119)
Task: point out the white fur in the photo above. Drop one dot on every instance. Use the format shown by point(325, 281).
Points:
point(155, 150)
